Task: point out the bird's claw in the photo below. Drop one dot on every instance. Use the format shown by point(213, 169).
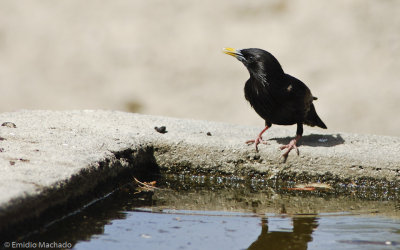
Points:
point(257, 141)
point(289, 147)
point(253, 141)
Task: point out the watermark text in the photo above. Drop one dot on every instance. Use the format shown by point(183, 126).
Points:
point(37, 245)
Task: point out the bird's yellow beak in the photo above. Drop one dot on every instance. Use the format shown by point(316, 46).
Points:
point(230, 51)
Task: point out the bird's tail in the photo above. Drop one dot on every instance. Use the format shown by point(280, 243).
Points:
point(313, 118)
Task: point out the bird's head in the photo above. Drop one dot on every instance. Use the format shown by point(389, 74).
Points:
point(260, 63)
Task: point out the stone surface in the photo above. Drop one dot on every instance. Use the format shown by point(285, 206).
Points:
point(50, 157)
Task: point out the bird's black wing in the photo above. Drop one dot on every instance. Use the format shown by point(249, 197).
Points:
point(293, 98)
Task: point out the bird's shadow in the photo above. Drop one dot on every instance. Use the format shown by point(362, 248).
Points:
point(314, 140)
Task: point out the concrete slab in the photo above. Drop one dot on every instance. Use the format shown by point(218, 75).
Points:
point(50, 157)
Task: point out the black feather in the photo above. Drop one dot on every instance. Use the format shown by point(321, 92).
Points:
point(277, 97)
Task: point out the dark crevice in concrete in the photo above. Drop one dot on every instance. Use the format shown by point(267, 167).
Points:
point(25, 215)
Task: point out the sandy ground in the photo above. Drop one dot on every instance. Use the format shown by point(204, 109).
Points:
point(164, 57)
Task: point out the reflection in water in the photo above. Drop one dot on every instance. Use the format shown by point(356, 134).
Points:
point(145, 220)
point(298, 238)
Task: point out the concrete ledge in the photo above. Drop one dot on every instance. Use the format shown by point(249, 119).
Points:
point(51, 157)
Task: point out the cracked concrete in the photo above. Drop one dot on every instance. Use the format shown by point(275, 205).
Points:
point(51, 157)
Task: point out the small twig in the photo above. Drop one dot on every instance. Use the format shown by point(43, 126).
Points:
point(146, 183)
point(145, 186)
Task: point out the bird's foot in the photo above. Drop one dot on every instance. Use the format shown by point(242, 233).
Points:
point(289, 147)
point(257, 141)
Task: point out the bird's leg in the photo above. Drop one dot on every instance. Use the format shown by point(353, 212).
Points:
point(292, 143)
point(259, 139)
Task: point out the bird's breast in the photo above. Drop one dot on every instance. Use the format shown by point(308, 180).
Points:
point(259, 98)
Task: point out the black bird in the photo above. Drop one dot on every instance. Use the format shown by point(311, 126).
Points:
point(277, 97)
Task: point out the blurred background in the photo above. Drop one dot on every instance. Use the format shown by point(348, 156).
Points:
point(164, 57)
